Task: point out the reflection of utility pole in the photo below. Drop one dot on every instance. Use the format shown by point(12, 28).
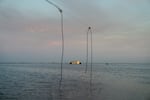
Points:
point(61, 13)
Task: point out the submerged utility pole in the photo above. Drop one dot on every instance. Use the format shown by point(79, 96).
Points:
point(62, 33)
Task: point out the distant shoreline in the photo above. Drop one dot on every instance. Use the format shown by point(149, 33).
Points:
point(68, 63)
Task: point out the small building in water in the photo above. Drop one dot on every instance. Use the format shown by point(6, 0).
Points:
point(75, 62)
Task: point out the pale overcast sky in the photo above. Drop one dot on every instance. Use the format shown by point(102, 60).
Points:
point(30, 30)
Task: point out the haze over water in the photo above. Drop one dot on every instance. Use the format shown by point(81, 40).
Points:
point(30, 32)
point(41, 82)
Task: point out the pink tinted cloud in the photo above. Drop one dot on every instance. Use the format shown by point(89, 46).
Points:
point(53, 43)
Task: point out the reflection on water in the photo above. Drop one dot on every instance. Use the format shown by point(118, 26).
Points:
point(41, 82)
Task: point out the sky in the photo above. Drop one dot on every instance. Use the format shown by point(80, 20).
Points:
point(30, 30)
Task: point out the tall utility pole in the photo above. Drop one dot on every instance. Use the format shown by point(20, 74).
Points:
point(62, 33)
point(91, 71)
point(87, 49)
point(87, 52)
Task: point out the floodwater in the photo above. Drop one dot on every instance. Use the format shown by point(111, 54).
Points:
point(41, 82)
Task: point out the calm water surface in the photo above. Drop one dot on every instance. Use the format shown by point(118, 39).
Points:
point(41, 82)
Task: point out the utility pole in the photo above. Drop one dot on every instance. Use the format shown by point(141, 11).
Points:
point(62, 34)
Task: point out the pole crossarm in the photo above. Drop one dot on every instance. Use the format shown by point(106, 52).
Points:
point(60, 10)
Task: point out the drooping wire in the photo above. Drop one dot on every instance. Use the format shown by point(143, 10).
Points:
point(62, 33)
